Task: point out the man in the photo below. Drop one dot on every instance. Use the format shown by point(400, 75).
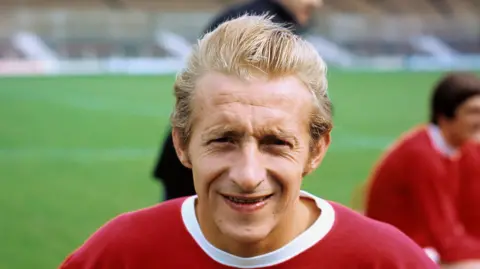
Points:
point(419, 185)
point(294, 14)
point(251, 119)
point(470, 190)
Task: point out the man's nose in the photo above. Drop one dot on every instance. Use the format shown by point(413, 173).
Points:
point(248, 172)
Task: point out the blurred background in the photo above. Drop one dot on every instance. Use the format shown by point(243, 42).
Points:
point(86, 92)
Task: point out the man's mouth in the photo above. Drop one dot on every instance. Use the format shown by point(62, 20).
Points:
point(246, 203)
point(247, 200)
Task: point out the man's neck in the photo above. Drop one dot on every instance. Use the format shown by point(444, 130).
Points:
point(442, 140)
point(287, 229)
point(286, 11)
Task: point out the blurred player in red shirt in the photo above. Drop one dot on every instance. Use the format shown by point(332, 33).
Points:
point(470, 189)
point(252, 118)
point(427, 184)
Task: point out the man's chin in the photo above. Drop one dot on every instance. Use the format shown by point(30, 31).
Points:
point(246, 234)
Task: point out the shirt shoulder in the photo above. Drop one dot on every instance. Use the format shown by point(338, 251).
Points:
point(376, 244)
point(411, 149)
point(228, 14)
point(415, 141)
point(126, 236)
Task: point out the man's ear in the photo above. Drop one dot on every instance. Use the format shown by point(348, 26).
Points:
point(181, 148)
point(318, 151)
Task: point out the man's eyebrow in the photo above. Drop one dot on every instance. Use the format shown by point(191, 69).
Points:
point(276, 132)
point(279, 133)
point(220, 131)
point(227, 130)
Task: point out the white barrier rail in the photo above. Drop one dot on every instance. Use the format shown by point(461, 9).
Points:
point(164, 66)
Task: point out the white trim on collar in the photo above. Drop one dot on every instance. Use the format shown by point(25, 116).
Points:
point(439, 142)
point(319, 229)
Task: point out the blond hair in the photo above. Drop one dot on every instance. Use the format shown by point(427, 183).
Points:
point(247, 47)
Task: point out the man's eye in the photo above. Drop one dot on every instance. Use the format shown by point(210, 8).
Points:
point(279, 142)
point(222, 140)
point(273, 141)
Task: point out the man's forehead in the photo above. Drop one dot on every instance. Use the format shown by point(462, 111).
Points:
point(472, 103)
point(219, 89)
point(475, 100)
point(226, 119)
point(259, 98)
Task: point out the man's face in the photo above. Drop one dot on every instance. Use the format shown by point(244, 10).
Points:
point(249, 150)
point(466, 123)
point(302, 9)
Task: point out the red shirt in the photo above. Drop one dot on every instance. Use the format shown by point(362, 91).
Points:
point(416, 187)
point(470, 189)
point(168, 236)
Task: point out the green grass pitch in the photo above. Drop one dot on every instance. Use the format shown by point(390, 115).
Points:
point(76, 151)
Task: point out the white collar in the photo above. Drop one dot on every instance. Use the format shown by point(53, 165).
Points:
point(301, 243)
point(439, 142)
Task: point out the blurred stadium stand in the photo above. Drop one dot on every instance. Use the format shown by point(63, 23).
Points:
point(93, 29)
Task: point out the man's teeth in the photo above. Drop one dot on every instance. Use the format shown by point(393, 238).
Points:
point(246, 200)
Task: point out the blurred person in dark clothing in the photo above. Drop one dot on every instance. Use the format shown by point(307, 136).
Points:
point(295, 14)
